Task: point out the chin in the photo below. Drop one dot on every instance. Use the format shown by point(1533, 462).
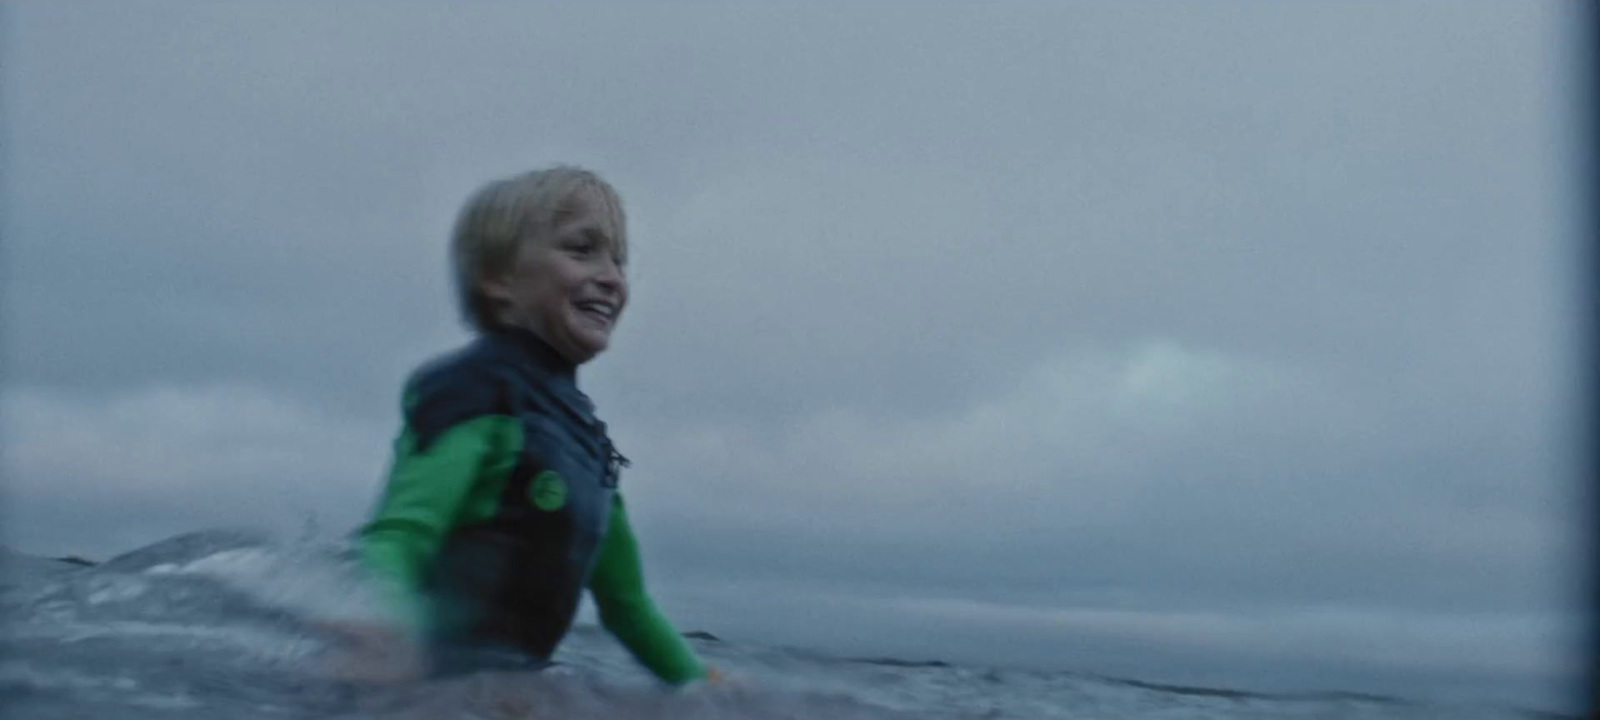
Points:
point(590, 347)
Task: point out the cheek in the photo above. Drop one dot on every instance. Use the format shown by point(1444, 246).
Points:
point(564, 277)
point(544, 287)
point(536, 300)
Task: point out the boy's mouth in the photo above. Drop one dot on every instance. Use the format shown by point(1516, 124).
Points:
point(603, 312)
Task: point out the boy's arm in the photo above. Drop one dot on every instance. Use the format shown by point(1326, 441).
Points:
point(628, 612)
point(445, 448)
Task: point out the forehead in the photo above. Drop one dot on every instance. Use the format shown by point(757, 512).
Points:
point(590, 205)
point(588, 208)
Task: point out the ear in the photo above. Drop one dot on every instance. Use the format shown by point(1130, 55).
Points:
point(497, 289)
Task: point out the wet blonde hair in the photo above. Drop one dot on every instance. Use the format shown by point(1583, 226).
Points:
point(505, 214)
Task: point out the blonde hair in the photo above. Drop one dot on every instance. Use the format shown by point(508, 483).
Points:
point(505, 214)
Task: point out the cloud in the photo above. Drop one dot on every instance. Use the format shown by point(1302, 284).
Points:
point(1149, 471)
point(101, 475)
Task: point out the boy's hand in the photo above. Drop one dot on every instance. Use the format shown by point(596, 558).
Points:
point(372, 653)
point(719, 679)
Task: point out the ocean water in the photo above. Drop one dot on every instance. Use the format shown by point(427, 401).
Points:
point(224, 624)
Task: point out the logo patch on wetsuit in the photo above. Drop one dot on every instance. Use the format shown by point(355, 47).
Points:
point(548, 491)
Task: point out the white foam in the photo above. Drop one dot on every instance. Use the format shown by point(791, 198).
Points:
point(305, 580)
point(78, 683)
point(256, 642)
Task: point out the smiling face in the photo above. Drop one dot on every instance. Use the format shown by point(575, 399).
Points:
point(568, 286)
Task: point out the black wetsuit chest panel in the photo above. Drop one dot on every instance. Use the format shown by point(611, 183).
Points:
point(518, 577)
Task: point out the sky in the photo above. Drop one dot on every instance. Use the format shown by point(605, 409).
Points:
point(1227, 343)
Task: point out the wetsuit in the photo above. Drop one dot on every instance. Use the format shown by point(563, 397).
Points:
point(502, 507)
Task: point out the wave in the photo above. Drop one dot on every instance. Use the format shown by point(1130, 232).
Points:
point(228, 623)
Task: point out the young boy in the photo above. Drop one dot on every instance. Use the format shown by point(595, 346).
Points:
point(502, 505)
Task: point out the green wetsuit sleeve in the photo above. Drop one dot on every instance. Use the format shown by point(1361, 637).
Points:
point(426, 494)
point(627, 611)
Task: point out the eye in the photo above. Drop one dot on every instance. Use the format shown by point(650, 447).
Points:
point(582, 246)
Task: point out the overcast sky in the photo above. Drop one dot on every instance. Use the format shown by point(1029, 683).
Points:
point(1211, 342)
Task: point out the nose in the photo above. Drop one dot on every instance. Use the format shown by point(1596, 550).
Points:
point(611, 276)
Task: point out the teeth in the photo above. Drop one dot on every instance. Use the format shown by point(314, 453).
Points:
point(600, 308)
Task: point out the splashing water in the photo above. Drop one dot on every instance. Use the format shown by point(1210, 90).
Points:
point(225, 624)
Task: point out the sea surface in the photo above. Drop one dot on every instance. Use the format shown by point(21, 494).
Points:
point(225, 624)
